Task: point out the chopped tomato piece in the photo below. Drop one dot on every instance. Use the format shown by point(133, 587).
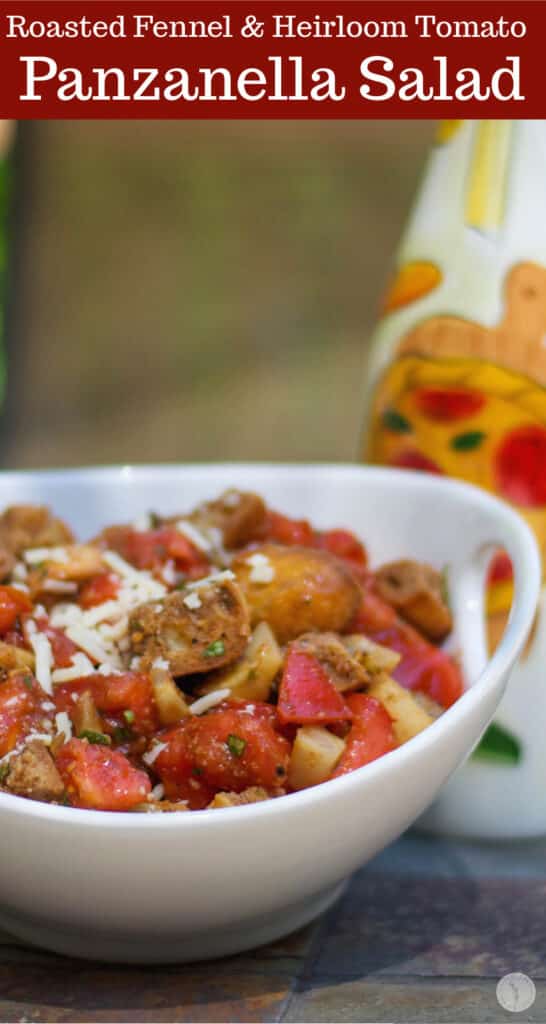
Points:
point(96, 776)
point(288, 531)
point(150, 549)
point(412, 459)
point(21, 711)
point(500, 570)
point(345, 545)
point(113, 695)
point(374, 613)
point(520, 466)
point(370, 735)
point(306, 695)
point(230, 748)
point(61, 645)
point(13, 603)
point(422, 666)
point(448, 405)
point(99, 589)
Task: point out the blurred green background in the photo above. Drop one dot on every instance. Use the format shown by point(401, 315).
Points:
point(205, 290)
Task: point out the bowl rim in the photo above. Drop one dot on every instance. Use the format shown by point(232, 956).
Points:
point(525, 603)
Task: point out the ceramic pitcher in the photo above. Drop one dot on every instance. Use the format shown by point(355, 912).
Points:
point(457, 385)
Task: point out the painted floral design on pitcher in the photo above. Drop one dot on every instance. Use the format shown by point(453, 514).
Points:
point(458, 381)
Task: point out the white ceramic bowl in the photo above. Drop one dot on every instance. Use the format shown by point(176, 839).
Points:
point(143, 888)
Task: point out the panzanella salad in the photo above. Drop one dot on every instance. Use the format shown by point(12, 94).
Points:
point(207, 660)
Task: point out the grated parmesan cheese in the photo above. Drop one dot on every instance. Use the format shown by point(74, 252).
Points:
point(157, 793)
point(59, 587)
point(192, 601)
point(261, 569)
point(89, 641)
point(44, 658)
point(64, 725)
point(216, 577)
point(33, 556)
point(151, 755)
point(81, 666)
point(210, 700)
point(161, 663)
point(195, 536)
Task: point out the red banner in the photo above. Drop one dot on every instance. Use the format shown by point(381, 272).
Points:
point(262, 59)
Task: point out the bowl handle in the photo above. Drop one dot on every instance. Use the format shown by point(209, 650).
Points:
point(468, 591)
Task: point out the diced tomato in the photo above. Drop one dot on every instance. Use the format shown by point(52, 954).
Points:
point(345, 545)
point(61, 645)
point(15, 638)
point(422, 666)
point(99, 589)
point(13, 603)
point(374, 613)
point(284, 530)
point(96, 776)
point(129, 691)
point(370, 736)
point(150, 549)
point(410, 458)
point(230, 748)
point(306, 695)
point(520, 466)
point(21, 711)
point(448, 405)
point(500, 570)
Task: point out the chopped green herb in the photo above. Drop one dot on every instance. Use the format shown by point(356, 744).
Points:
point(394, 421)
point(129, 716)
point(236, 745)
point(196, 770)
point(215, 649)
point(121, 735)
point(28, 680)
point(279, 770)
point(66, 801)
point(155, 520)
point(4, 771)
point(498, 745)
point(468, 442)
point(100, 738)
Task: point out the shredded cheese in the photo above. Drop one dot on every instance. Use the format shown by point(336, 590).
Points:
point(206, 581)
point(195, 536)
point(64, 725)
point(210, 700)
point(261, 569)
point(81, 666)
point(192, 601)
point(89, 641)
point(157, 793)
point(151, 755)
point(59, 587)
point(44, 659)
point(33, 556)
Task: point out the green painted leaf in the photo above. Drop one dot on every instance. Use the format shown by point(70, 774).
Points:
point(469, 441)
point(394, 421)
point(498, 745)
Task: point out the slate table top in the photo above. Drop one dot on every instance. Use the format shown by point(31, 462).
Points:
point(423, 933)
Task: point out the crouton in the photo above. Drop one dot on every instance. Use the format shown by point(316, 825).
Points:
point(415, 590)
point(297, 589)
point(345, 671)
point(204, 627)
point(33, 774)
point(252, 795)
